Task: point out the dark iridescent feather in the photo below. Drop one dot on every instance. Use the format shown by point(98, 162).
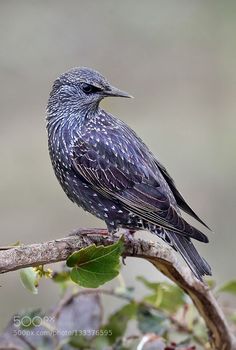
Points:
point(179, 198)
point(143, 192)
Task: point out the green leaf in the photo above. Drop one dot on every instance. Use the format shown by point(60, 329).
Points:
point(151, 321)
point(150, 285)
point(166, 296)
point(79, 342)
point(229, 287)
point(100, 343)
point(95, 265)
point(29, 278)
point(118, 321)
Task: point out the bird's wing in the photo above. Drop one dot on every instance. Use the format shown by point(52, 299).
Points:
point(125, 171)
point(182, 204)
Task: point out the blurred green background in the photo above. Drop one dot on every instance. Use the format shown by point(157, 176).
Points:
point(176, 57)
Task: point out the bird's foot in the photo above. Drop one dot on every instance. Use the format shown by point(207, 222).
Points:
point(123, 259)
point(129, 234)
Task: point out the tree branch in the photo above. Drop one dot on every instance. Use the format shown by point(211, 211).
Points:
point(162, 257)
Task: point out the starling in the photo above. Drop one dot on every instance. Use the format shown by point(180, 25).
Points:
point(105, 168)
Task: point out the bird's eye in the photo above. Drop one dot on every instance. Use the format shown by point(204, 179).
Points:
point(87, 88)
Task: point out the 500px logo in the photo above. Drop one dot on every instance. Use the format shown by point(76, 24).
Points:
point(27, 321)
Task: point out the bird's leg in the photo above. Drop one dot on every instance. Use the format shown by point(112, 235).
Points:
point(129, 234)
point(112, 230)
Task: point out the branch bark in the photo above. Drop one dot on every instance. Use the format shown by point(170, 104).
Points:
point(162, 257)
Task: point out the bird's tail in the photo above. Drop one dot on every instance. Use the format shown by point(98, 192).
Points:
point(185, 247)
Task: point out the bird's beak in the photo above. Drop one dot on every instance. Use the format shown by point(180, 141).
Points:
point(113, 91)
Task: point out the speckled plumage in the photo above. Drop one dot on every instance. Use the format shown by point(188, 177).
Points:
point(105, 168)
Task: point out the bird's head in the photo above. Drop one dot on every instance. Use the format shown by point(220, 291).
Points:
point(80, 90)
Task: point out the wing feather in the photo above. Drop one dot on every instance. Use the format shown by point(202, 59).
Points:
point(138, 184)
point(182, 204)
